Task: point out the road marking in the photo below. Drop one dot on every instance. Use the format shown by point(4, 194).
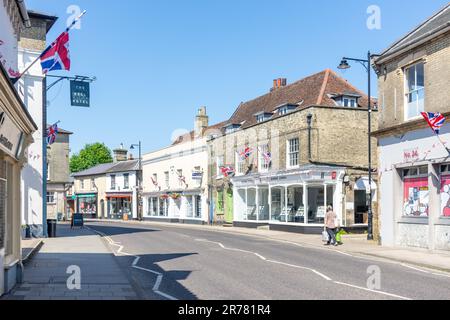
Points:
point(370, 290)
point(159, 276)
point(265, 259)
point(414, 268)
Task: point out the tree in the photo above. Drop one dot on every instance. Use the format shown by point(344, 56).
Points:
point(91, 156)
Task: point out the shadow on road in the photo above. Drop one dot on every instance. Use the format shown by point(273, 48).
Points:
point(114, 230)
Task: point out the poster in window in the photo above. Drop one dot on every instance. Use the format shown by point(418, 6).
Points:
point(445, 196)
point(416, 197)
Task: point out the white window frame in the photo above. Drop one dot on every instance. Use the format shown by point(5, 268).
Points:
point(416, 91)
point(219, 163)
point(240, 165)
point(290, 152)
point(52, 196)
point(350, 100)
point(113, 182)
point(167, 179)
point(262, 165)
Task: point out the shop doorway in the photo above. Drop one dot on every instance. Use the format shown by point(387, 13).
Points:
point(229, 206)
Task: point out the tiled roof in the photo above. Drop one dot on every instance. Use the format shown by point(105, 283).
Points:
point(191, 135)
point(439, 20)
point(97, 170)
point(124, 166)
point(314, 90)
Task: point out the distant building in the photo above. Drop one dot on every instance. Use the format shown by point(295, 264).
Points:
point(107, 191)
point(414, 166)
point(58, 175)
point(16, 131)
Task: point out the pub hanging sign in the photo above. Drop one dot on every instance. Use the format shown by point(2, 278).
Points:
point(80, 93)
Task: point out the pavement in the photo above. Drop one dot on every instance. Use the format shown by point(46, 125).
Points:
point(353, 244)
point(48, 272)
point(182, 262)
point(29, 248)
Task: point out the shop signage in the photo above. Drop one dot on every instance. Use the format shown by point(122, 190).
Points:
point(10, 135)
point(77, 220)
point(80, 93)
point(411, 155)
point(197, 175)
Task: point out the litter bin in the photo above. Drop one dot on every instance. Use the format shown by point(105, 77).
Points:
point(51, 228)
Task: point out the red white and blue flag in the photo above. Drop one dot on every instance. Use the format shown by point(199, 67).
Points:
point(435, 120)
point(52, 132)
point(56, 56)
point(267, 157)
point(246, 153)
point(227, 171)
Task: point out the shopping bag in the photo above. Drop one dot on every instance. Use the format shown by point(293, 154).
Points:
point(339, 235)
point(325, 236)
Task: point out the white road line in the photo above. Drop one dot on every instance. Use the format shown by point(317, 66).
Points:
point(414, 268)
point(265, 259)
point(373, 291)
point(120, 251)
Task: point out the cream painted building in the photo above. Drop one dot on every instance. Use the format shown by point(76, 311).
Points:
point(175, 179)
point(16, 129)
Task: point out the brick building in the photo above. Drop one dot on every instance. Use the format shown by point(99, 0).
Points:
point(294, 151)
point(413, 77)
point(58, 175)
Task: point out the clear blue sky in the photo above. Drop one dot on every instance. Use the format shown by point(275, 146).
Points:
point(158, 61)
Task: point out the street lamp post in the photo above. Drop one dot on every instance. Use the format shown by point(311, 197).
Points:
point(366, 63)
point(139, 184)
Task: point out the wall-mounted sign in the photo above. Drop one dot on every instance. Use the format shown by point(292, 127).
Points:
point(80, 93)
point(411, 155)
point(10, 135)
point(197, 175)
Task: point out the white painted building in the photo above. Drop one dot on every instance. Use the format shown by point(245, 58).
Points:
point(32, 43)
point(175, 186)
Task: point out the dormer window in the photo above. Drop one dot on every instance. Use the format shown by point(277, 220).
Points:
point(346, 100)
point(263, 116)
point(285, 109)
point(232, 128)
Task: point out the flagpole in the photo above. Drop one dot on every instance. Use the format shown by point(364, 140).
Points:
point(14, 81)
point(442, 142)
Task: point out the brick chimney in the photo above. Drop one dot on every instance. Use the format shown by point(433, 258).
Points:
point(279, 83)
point(201, 122)
point(120, 154)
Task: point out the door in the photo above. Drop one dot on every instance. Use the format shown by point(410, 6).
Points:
point(229, 206)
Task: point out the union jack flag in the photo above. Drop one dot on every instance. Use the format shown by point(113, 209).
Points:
point(227, 171)
point(155, 183)
point(52, 132)
point(267, 157)
point(435, 120)
point(246, 153)
point(56, 56)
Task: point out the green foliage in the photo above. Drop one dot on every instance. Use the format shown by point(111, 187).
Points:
point(91, 156)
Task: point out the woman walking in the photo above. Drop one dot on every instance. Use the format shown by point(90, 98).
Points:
point(331, 226)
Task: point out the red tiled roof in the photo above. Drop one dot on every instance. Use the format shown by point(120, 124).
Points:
point(191, 135)
point(313, 90)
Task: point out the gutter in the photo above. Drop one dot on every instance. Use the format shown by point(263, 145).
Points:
point(24, 13)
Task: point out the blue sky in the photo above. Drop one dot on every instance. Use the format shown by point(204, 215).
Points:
point(158, 61)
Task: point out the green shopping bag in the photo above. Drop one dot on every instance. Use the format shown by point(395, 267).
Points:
point(339, 235)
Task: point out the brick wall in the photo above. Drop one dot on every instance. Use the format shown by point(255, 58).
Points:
point(436, 57)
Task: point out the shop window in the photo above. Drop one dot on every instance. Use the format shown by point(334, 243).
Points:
point(415, 192)
point(316, 204)
point(277, 203)
point(198, 206)
point(445, 191)
point(251, 205)
point(189, 207)
point(263, 205)
point(296, 206)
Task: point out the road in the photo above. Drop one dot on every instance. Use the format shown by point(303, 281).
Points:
point(182, 263)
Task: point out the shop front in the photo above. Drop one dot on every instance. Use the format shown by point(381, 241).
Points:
point(87, 205)
point(289, 201)
point(119, 206)
point(16, 129)
point(177, 207)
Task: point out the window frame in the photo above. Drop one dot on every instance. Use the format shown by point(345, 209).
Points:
point(126, 181)
point(113, 182)
point(220, 161)
point(290, 152)
point(411, 176)
point(262, 165)
point(407, 92)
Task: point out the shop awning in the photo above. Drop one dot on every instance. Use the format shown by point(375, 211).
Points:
point(120, 195)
